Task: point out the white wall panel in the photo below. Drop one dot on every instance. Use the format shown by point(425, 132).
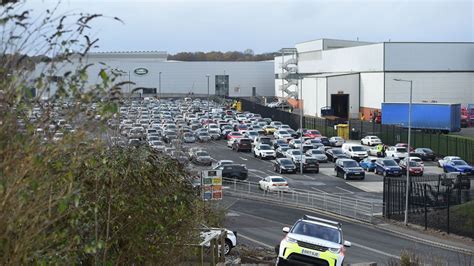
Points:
point(438, 86)
point(348, 84)
point(315, 45)
point(321, 95)
point(429, 56)
point(371, 90)
point(309, 96)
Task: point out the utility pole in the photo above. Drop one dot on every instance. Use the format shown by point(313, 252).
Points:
point(208, 94)
point(159, 84)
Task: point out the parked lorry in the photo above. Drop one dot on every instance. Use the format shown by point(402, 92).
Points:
point(426, 116)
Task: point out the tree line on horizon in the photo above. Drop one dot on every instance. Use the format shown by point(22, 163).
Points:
point(247, 55)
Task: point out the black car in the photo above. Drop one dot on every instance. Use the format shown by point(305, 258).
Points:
point(284, 165)
point(336, 153)
point(325, 141)
point(310, 165)
point(348, 168)
point(279, 142)
point(234, 171)
point(243, 144)
point(424, 153)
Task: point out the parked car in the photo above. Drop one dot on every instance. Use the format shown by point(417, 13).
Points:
point(295, 143)
point(318, 155)
point(234, 171)
point(325, 141)
point(375, 151)
point(242, 144)
point(458, 166)
point(396, 152)
point(368, 164)
point(251, 134)
point(370, 140)
point(416, 159)
point(310, 164)
point(222, 162)
point(234, 135)
point(230, 240)
point(447, 159)
point(202, 158)
point(424, 153)
point(273, 183)
point(387, 167)
point(354, 151)
point(189, 137)
point(295, 155)
point(348, 168)
point(416, 169)
point(262, 140)
point(278, 142)
point(281, 151)
point(282, 134)
point(312, 133)
point(157, 145)
point(284, 165)
point(203, 136)
point(264, 151)
point(336, 141)
point(336, 153)
point(405, 145)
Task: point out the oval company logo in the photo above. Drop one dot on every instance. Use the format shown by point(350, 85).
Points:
point(141, 71)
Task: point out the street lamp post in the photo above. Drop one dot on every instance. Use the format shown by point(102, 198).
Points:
point(301, 122)
point(159, 84)
point(408, 148)
point(208, 94)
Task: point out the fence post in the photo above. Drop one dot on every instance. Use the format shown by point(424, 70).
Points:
point(325, 203)
point(235, 185)
point(447, 223)
point(249, 186)
point(372, 212)
point(355, 210)
point(426, 209)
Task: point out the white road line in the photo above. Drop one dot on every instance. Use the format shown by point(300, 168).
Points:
point(253, 240)
point(348, 191)
point(375, 250)
point(308, 176)
point(259, 176)
point(319, 190)
point(243, 158)
point(258, 171)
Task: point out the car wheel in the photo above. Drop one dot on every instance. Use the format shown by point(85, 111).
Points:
point(254, 155)
point(227, 247)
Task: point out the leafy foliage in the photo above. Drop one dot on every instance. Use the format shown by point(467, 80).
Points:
point(247, 55)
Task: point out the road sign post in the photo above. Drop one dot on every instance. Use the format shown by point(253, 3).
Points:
point(211, 181)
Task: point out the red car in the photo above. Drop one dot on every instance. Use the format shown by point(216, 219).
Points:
point(405, 145)
point(234, 135)
point(415, 168)
point(312, 133)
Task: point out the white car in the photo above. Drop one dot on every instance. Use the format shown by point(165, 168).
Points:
point(273, 183)
point(295, 155)
point(295, 143)
point(318, 155)
point(447, 159)
point(396, 152)
point(336, 141)
point(251, 134)
point(281, 134)
point(418, 160)
point(230, 240)
point(370, 140)
point(221, 163)
point(264, 151)
point(373, 151)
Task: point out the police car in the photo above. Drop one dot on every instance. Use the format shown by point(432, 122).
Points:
point(314, 241)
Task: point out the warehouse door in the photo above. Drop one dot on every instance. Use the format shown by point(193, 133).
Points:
point(222, 85)
point(340, 105)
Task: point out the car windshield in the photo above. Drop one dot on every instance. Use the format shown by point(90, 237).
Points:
point(389, 163)
point(236, 134)
point(316, 152)
point(401, 149)
point(296, 152)
point(427, 150)
point(358, 148)
point(348, 164)
point(315, 141)
point(314, 132)
point(202, 153)
point(203, 134)
point(245, 141)
point(265, 147)
point(317, 231)
point(311, 160)
point(459, 162)
point(278, 180)
point(297, 141)
point(252, 133)
point(337, 151)
point(283, 132)
point(414, 164)
point(286, 162)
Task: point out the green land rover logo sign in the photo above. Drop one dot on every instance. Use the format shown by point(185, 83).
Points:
point(141, 71)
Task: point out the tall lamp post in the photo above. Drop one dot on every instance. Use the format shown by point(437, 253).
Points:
point(159, 84)
point(408, 148)
point(208, 94)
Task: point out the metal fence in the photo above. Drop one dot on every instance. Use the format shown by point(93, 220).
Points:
point(363, 210)
point(433, 202)
point(442, 144)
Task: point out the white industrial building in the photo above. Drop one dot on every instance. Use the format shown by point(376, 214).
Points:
point(233, 79)
point(355, 77)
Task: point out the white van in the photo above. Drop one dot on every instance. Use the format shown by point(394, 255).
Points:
point(355, 151)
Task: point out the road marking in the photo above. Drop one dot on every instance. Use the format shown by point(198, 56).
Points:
point(319, 190)
point(308, 176)
point(253, 240)
point(375, 250)
point(259, 176)
point(271, 172)
point(243, 158)
point(255, 170)
point(348, 191)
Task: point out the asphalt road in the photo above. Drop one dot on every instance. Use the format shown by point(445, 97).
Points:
point(260, 224)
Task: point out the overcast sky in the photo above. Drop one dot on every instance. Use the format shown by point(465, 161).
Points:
point(268, 25)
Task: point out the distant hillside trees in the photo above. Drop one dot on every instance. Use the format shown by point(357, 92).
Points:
point(247, 55)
